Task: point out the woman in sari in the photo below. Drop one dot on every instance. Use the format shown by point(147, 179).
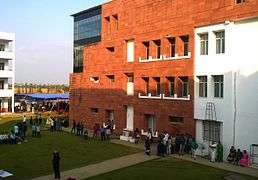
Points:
point(245, 160)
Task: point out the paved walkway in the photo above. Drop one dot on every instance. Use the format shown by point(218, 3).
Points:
point(129, 160)
point(103, 167)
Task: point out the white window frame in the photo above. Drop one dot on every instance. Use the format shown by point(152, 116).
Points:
point(220, 84)
point(220, 41)
point(204, 43)
point(203, 84)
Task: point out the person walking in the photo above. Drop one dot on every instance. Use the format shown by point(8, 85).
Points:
point(147, 146)
point(56, 164)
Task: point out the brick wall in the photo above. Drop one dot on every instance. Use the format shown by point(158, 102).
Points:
point(145, 20)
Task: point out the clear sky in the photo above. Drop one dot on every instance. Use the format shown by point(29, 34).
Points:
point(44, 37)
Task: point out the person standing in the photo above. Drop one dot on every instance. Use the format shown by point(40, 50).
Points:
point(194, 146)
point(56, 164)
point(147, 147)
point(73, 127)
point(220, 152)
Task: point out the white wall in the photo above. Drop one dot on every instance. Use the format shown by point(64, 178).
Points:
point(240, 57)
point(7, 57)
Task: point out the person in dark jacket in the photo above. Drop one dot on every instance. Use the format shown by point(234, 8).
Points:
point(56, 164)
point(147, 147)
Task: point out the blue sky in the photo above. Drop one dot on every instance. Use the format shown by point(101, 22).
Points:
point(44, 37)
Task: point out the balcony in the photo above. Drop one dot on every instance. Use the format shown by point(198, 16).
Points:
point(6, 92)
point(6, 74)
point(162, 96)
point(164, 58)
point(6, 55)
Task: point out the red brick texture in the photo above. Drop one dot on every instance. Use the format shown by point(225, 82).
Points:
point(145, 20)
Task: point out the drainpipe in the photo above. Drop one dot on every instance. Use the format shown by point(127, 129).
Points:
point(235, 110)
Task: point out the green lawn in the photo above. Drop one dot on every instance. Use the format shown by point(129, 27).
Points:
point(168, 168)
point(33, 159)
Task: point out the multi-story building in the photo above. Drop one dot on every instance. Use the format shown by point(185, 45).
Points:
point(135, 63)
point(226, 72)
point(7, 66)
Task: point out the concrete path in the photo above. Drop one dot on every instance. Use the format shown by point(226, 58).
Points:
point(224, 166)
point(103, 167)
point(129, 160)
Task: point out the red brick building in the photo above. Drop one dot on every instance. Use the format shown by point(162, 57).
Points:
point(134, 61)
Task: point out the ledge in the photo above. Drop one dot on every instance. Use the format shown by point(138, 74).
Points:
point(162, 96)
point(164, 58)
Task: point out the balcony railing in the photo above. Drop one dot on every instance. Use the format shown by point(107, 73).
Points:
point(164, 58)
point(163, 96)
point(6, 92)
point(6, 55)
point(6, 73)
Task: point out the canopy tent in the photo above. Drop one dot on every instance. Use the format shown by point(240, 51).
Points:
point(39, 96)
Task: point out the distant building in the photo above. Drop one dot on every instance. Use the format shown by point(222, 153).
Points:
point(7, 70)
point(29, 88)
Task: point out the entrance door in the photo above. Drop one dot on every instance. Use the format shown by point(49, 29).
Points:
point(151, 122)
point(129, 118)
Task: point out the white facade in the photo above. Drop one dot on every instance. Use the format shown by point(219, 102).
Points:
point(7, 69)
point(237, 110)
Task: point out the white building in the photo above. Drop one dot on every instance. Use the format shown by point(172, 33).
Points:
point(226, 84)
point(7, 69)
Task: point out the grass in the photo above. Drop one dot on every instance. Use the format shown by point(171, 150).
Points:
point(33, 159)
point(168, 168)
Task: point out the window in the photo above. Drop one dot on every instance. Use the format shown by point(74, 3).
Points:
point(171, 86)
point(202, 86)
point(1, 66)
point(1, 84)
point(85, 28)
point(147, 49)
point(2, 47)
point(185, 40)
point(158, 89)
point(185, 87)
point(111, 49)
point(94, 79)
point(218, 86)
point(78, 59)
point(130, 78)
point(158, 48)
point(116, 21)
point(146, 79)
point(111, 78)
point(240, 1)
point(108, 25)
point(172, 47)
point(204, 44)
point(176, 120)
point(94, 110)
point(220, 42)
point(130, 51)
point(211, 131)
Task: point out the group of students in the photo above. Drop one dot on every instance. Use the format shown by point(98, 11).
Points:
point(36, 126)
point(238, 157)
point(103, 131)
point(78, 129)
point(172, 144)
point(55, 124)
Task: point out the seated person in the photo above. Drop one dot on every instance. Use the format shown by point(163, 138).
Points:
point(245, 160)
point(232, 155)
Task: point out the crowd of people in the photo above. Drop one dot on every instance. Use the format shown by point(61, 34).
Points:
point(238, 157)
point(99, 131)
